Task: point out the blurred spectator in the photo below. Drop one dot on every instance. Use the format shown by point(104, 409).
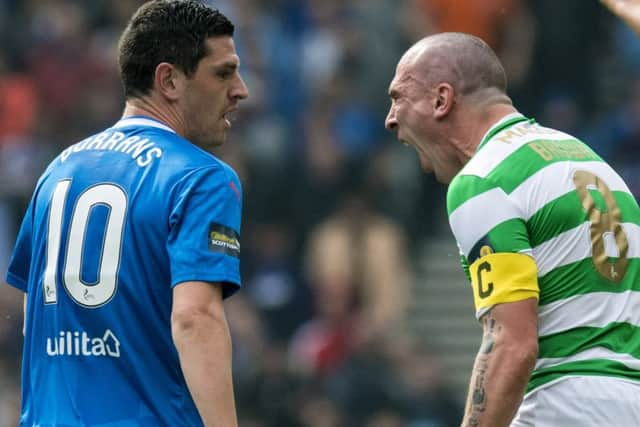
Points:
point(360, 281)
point(424, 392)
point(274, 287)
point(385, 418)
point(320, 411)
point(18, 105)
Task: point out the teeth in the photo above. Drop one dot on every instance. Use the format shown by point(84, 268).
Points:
point(230, 116)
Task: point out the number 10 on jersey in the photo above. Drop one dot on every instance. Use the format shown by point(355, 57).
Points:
point(98, 294)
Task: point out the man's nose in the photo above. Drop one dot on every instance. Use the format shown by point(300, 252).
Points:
point(240, 91)
point(390, 122)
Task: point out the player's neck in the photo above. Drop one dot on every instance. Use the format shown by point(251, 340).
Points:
point(475, 124)
point(487, 118)
point(146, 107)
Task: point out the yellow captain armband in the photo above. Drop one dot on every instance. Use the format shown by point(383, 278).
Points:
point(503, 277)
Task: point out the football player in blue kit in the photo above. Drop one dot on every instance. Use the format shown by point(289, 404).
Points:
point(131, 242)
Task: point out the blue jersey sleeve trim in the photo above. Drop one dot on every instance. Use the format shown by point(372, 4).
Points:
point(231, 283)
point(16, 282)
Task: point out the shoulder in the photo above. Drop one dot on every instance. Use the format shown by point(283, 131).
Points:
point(212, 168)
point(516, 145)
point(191, 162)
point(210, 180)
point(466, 187)
point(509, 158)
point(199, 158)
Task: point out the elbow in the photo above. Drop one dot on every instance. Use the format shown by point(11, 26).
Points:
point(188, 318)
point(196, 323)
point(529, 355)
point(523, 353)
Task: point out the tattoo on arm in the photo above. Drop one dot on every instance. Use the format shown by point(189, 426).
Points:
point(477, 400)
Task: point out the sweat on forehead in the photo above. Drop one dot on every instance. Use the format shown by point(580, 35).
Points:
point(463, 60)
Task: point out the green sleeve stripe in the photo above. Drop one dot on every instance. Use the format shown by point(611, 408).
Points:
point(582, 278)
point(508, 236)
point(595, 367)
point(617, 337)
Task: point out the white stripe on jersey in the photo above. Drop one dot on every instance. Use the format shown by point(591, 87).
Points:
point(575, 245)
point(593, 353)
point(473, 219)
point(535, 192)
point(596, 309)
point(566, 248)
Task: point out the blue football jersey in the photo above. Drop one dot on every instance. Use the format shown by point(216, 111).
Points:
point(115, 222)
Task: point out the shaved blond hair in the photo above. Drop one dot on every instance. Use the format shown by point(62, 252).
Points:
point(462, 60)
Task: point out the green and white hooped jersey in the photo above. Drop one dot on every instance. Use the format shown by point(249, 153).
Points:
point(540, 192)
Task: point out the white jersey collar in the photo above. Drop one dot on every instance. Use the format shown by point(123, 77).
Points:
point(142, 121)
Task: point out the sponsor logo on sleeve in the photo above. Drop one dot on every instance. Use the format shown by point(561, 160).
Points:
point(224, 240)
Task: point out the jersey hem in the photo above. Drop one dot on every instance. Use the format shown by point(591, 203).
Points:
point(231, 284)
point(566, 377)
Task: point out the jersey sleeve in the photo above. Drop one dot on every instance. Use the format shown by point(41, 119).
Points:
point(494, 243)
point(19, 266)
point(204, 236)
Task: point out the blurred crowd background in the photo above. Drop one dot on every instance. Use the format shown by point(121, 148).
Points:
point(337, 213)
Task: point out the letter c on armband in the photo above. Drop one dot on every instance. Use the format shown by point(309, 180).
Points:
point(482, 291)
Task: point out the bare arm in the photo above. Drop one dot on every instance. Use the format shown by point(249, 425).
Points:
point(627, 10)
point(201, 335)
point(504, 363)
point(24, 314)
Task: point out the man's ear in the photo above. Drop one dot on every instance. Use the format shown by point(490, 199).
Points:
point(168, 81)
point(443, 101)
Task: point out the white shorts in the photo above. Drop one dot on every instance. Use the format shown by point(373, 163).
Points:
point(582, 402)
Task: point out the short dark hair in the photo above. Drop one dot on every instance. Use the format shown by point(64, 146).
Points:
point(173, 31)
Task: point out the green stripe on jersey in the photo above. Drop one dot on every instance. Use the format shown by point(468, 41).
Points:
point(514, 170)
point(581, 278)
point(466, 187)
point(525, 161)
point(594, 367)
point(508, 236)
point(617, 337)
point(545, 224)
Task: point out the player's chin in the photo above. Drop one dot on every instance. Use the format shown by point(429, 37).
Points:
point(209, 142)
point(444, 175)
point(218, 138)
point(442, 179)
point(424, 164)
